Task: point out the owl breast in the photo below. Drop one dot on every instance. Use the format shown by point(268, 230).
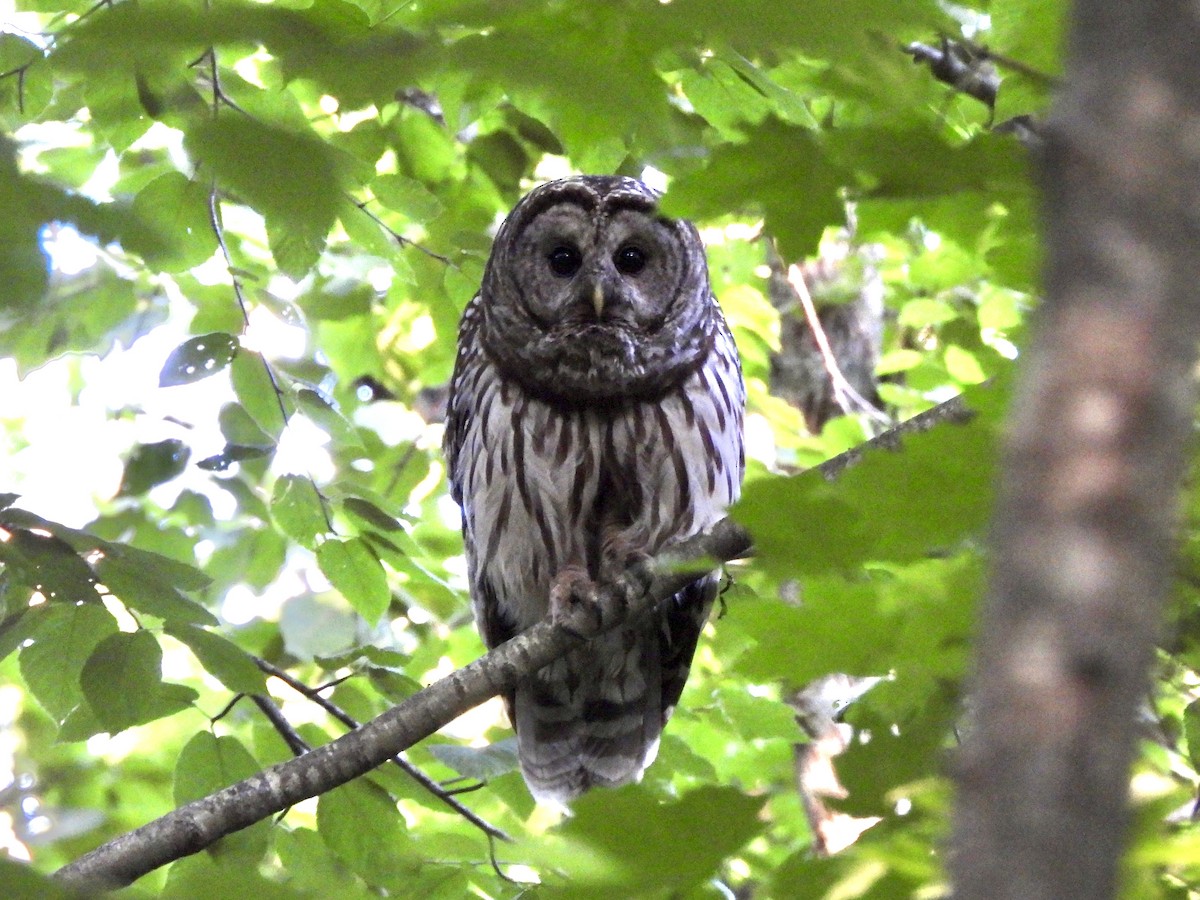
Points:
point(542, 479)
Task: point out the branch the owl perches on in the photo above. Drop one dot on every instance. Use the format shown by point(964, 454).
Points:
point(197, 825)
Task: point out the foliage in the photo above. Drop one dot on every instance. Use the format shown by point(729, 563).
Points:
point(285, 208)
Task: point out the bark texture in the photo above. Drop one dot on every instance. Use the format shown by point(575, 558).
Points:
point(1083, 529)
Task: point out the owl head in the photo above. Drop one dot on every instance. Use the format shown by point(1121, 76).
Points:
point(590, 294)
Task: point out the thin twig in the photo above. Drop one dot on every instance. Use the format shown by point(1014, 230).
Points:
point(279, 722)
point(396, 236)
point(848, 399)
point(227, 708)
point(491, 839)
point(214, 218)
point(349, 721)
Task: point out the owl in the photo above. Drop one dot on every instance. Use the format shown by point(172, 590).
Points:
point(594, 418)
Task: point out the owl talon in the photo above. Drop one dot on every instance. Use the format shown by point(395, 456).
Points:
point(626, 568)
point(575, 603)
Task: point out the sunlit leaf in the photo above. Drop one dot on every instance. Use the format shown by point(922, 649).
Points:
point(177, 208)
point(354, 570)
point(48, 564)
point(370, 513)
point(298, 510)
point(260, 395)
point(742, 176)
point(298, 193)
point(407, 196)
point(62, 644)
point(627, 842)
point(316, 627)
point(139, 589)
point(198, 358)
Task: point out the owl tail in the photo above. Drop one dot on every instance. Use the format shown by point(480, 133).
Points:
point(592, 718)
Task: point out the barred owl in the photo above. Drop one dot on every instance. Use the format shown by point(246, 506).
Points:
point(595, 416)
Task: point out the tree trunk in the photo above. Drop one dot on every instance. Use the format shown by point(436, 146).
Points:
point(1083, 528)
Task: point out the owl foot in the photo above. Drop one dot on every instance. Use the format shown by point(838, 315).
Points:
point(625, 568)
point(573, 601)
point(581, 605)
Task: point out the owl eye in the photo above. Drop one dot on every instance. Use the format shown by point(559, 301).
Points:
point(630, 260)
point(564, 261)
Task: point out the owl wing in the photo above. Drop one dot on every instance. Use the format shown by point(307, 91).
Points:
point(683, 618)
point(468, 368)
point(719, 413)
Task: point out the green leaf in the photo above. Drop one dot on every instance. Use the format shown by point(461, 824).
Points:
point(62, 644)
point(925, 311)
point(1032, 32)
point(177, 208)
point(239, 429)
point(934, 492)
point(23, 882)
point(312, 867)
point(157, 567)
point(963, 365)
point(839, 628)
point(74, 318)
point(371, 514)
point(313, 626)
point(360, 823)
point(46, 563)
point(407, 196)
point(325, 417)
point(482, 763)
point(298, 510)
point(31, 203)
point(356, 572)
point(143, 590)
point(198, 358)
point(744, 176)
point(1191, 731)
point(122, 681)
point(209, 763)
point(627, 843)
point(257, 390)
point(298, 191)
point(216, 876)
point(835, 32)
point(153, 464)
point(221, 658)
point(759, 718)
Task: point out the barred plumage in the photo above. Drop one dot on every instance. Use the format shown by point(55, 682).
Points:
point(595, 416)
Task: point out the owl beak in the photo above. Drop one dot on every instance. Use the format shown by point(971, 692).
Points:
point(598, 292)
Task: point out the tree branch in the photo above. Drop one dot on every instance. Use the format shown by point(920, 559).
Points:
point(199, 824)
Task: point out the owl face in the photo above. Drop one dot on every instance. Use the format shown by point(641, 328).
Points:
point(617, 272)
point(590, 293)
